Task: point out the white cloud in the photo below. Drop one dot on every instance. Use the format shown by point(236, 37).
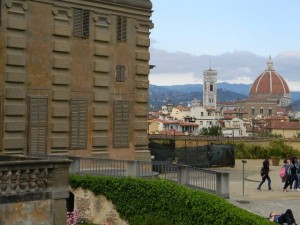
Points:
point(239, 80)
point(293, 85)
point(167, 79)
point(244, 67)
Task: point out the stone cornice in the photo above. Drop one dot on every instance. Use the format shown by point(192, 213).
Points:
point(145, 4)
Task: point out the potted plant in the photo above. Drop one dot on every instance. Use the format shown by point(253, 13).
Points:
point(275, 153)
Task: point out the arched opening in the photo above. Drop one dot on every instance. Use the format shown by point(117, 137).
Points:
point(70, 202)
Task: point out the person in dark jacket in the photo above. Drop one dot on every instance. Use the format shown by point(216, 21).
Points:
point(288, 178)
point(265, 174)
point(294, 177)
point(286, 217)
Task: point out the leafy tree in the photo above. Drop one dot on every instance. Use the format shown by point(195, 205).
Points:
point(213, 130)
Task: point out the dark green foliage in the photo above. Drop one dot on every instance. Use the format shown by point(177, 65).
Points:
point(157, 201)
point(258, 152)
point(275, 151)
point(150, 220)
point(276, 148)
point(213, 130)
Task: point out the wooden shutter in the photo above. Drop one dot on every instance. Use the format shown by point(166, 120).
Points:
point(85, 23)
point(1, 122)
point(122, 29)
point(38, 121)
point(121, 124)
point(120, 73)
point(78, 123)
point(81, 26)
point(77, 26)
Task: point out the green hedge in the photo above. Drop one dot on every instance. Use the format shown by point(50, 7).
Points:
point(134, 197)
point(256, 151)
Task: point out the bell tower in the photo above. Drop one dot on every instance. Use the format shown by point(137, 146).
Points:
point(210, 88)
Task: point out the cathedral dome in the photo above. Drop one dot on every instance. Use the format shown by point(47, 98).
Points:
point(269, 83)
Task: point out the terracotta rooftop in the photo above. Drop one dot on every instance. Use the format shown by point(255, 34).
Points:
point(184, 124)
point(276, 117)
point(171, 132)
point(167, 121)
point(286, 125)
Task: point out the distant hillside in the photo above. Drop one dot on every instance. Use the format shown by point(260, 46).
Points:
point(187, 88)
point(160, 95)
point(296, 105)
point(183, 94)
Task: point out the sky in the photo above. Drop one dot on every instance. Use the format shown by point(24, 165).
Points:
point(234, 37)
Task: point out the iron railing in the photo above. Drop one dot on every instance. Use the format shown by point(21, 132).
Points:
point(212, 181)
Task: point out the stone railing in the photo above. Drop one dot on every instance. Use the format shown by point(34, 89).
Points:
point(213, 181)
point(34, 182)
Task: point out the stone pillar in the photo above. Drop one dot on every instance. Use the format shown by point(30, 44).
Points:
point(222, 186)
point(182, 175)
point(133, 169)
point(59, 192)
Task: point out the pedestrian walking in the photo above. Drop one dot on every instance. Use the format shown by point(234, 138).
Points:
point(294, 177)
point(265, 174)
point(298, 173)
point(287, 178)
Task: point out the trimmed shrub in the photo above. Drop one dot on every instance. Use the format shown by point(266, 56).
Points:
point(256, 151)
point(162, 200)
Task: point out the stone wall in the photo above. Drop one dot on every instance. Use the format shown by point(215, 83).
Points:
point(96, 209)
point(32, 212)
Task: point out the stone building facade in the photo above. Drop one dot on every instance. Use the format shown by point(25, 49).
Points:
point(269, 95)
point(74, 77)
point(210, 89)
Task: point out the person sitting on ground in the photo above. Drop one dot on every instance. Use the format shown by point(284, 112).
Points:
point(286, 217)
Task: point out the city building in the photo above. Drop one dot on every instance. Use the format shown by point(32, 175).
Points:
point(269, 95)
point(210, 88)
point(74, 77)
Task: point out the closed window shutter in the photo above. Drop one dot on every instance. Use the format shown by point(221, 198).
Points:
point(120, 73)
point(121, 124)
point(81, 26)
point(38, 121)
point(85, 23)
point(1, 121)
point(78, 124)
point(122, 29)
point(77, 22)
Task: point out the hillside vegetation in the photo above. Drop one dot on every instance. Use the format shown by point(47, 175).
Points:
point(183, 94)
point(162, 202)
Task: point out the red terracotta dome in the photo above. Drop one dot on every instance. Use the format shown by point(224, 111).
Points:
point(269, 83)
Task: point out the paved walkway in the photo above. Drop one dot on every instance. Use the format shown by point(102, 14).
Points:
point(264, 201)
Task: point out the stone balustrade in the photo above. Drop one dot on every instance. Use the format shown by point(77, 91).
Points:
point(27, 183)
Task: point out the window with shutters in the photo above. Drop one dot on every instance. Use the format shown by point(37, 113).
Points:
point(78, 123)
point(120, 73)
point(121, 124)
point(38, 125)
point(122, 29)
point(81, 22)
point(270, 111)
point(0, 15)
point(1, 122)
point(261, 111)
